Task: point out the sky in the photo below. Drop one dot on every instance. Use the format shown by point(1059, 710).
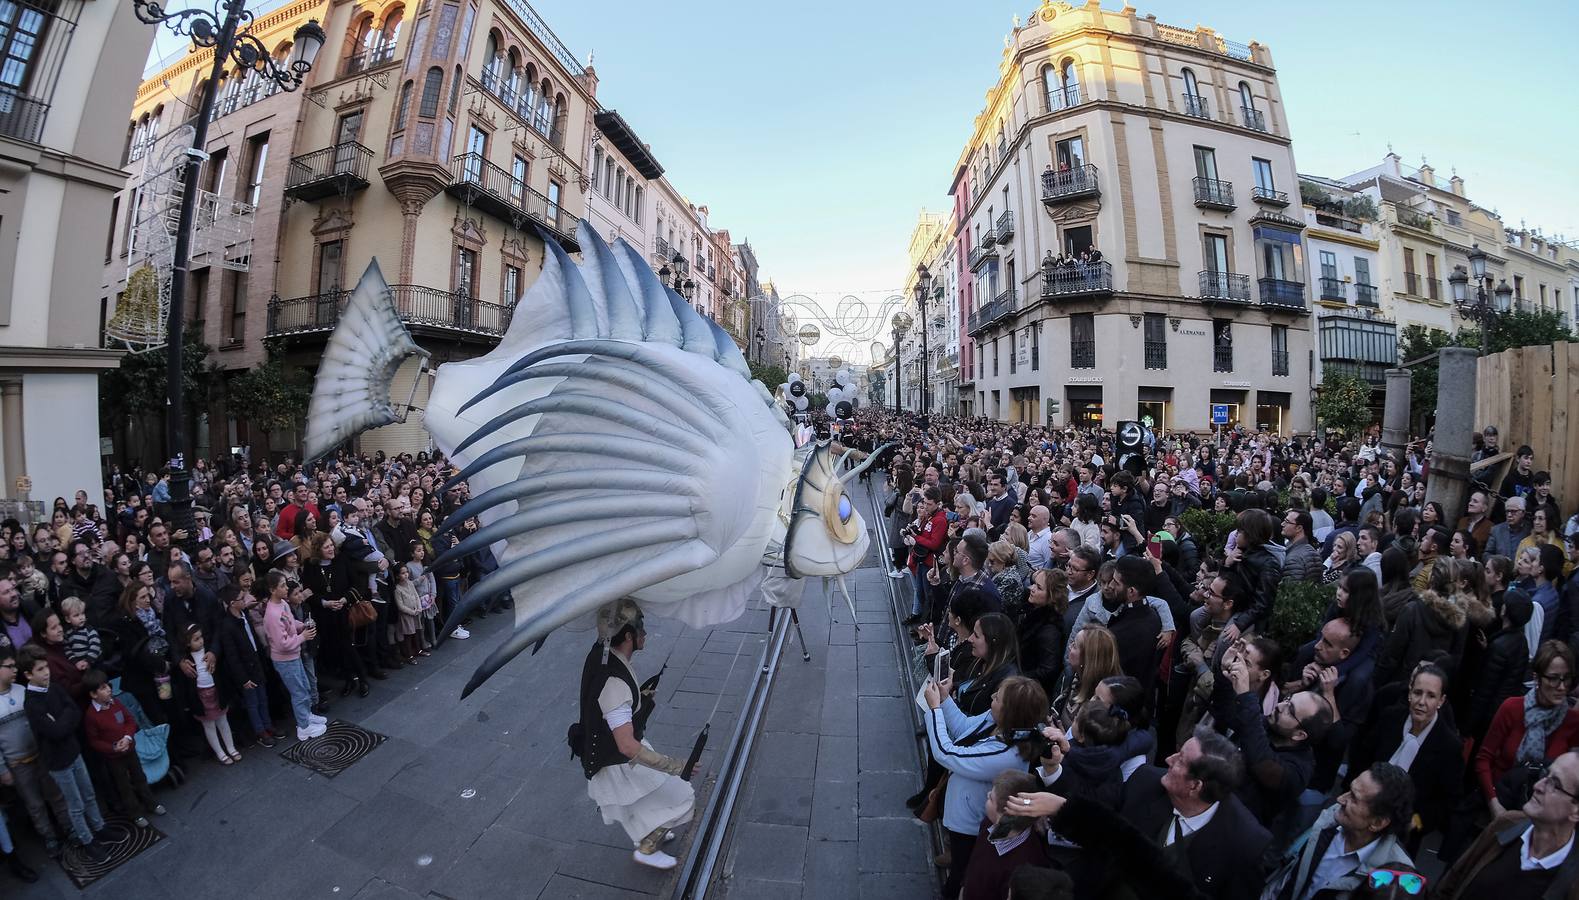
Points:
point(820, 129)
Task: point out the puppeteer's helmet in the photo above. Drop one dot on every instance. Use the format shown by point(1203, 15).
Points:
point(616, 617)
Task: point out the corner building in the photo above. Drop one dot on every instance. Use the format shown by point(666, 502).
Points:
point(1166, 149)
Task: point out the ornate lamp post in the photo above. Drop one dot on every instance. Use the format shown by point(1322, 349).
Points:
point(923, 289)
point(901, 322)
point(1479, 308)
point(226, 30)
point(682, 285)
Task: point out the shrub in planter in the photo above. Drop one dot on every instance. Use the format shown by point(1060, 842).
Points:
point(1297, 612)
point(1209, 529)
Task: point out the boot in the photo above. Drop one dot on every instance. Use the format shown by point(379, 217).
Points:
point(362, 688)
point(19, 868)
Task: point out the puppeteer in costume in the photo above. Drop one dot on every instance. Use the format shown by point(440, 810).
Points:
point(633, 785)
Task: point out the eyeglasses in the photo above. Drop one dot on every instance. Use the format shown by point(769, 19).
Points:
point(1559, 678)
point(1411, 882)
point(1552, 782)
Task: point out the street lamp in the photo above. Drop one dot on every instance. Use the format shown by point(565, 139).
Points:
point(231, 39)
point(923, 289)
point(682, 285)
point(762, 340)
point(901, 322)
point(1479, 308)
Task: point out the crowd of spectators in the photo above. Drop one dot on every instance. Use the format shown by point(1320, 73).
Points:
point(124, 638)
point(1240, 666)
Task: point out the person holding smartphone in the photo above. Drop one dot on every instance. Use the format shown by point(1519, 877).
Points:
point(925, 542)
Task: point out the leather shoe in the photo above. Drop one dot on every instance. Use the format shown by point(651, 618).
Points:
point(348, 687)
point(914, 801)
point(363, 688)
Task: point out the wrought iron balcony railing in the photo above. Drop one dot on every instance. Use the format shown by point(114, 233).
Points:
point(340, 169)
point(1277, 292)
point(1077, 278)
point(21, 116)
point(1222, 359)
point(1268, 196)
point(368, 59)
point(1253, 118)
point(1225, 286)
point(1334, 289)
point(476, 181)
point(1066, 185)
point(1063, 98)
point(1365, 294)
point(415, 304)
point(1082, 354)
point(1195, 105)
point(1005, 229)
point(1214, 193)
point(1279, 362)
point(1156, 354)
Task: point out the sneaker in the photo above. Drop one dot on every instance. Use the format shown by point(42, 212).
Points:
point(265, 741)
point(317, 719)
point(656, 859)
point(109, 835)
point(896, 573)
point(53, 849)
point(312, 731)
point(460, 634)
point(159, 809)
point(94, 852)
point(141, 822)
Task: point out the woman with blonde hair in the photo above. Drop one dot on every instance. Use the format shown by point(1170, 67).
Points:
point(1345, 556)
point(1092, 657)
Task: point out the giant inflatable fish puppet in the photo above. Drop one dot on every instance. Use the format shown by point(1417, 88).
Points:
point(614, 446)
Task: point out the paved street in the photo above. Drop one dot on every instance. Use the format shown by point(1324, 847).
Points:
point(480, 798)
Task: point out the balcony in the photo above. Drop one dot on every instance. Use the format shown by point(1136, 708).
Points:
point(1222, 359)
point(1279, 362)
point(1268, 197)
point(1416, 285)
point(369, 59)
point(21, 116)
point(1277, 292)
point(1082, 354)
point(1334, 289)
point(1252, 118)
point(1342, 223)
point(1156, 354)
point(1002, 306)
point(1077, 279)
point(1365, 295)
point(1358, 342)
point(418, 306)
point(1213, 194)
point(1005, 229)
point(987, 249)
point(661, 250)
point(1063, 98)
point(1195, 106)
point(477, 182)
point(1069, 185)
point(1225, 286)
point(333, 171)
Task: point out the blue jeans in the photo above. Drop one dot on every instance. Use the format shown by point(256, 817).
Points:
point(294, 675)
point(310, 666)
point(919, 602)
point(82, 806)
point(256, 700)
point(450, 595)
point(6, 847)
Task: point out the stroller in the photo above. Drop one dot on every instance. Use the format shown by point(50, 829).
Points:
point(153, 742)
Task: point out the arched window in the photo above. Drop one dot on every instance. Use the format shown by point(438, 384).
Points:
point(493, 64)
point(1194, 103)
point(526, 107)
point(608, 177)
point(512, 78)
point(597, 168)
point(1050, 89)
point(630, 194)
point(542, 116)
point(1246, 96)
point(1191, 89)
point(1071, 78)
point(432, 83)
point(390, 35)
point(638, 204)
point(556, 134)
point(404, 106)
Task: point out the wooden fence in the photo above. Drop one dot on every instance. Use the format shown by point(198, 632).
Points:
point(1526, 392)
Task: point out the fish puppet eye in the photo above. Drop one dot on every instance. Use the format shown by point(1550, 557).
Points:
point(838, 514)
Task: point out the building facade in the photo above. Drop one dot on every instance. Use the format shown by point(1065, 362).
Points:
point(1354, 336)
point(447, 141)
point(1167, 151)
point(69, 68)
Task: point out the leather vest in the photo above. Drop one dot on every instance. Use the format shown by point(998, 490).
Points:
point(598, 750)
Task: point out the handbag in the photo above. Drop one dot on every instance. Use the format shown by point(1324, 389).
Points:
point(362, 611)
point(932, 810)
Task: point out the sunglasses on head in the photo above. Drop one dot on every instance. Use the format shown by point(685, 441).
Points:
point(1412, 883)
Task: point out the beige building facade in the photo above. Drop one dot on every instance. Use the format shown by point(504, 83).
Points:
point(1167, 150)
point(70, 67)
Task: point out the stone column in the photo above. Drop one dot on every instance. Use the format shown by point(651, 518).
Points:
point(1455, 425)
point(11, 427)
point(1395, 412)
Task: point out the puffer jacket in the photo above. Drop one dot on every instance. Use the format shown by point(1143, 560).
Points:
point(1259, 573)
point(1430, 624)
point(1507, 668)
point(1301, 563)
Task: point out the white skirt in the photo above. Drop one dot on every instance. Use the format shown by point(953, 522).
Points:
point(641, 800)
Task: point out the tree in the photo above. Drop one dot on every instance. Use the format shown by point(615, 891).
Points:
point(136, 392)
point(770, 375)
point(1344, 403)
point(271, 397)
point(1509, 329)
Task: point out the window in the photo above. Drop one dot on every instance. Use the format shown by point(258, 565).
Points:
point(1050, 87)
point(1329, 265)
point(493, 64)
point(466, 273)
point(455, 91)
point(1070, 153)
point(236, 298)
point(1430, 277)
point(638, 204)
point(597, 168)
point(1263, 169)
point(1036, 346)
point(197, 299)
point(1082, 341)
point(553, 203)
point(518, 180)
point(1191, 89)
point(1077, 239)
point(1222, 345)
point(1206, 162)
point(404, 107)
point(21, 31)
point(257, 158)
point(1453, 218)
point(431, 85)
point(1071, 76)
point(1156, 341)
point(1215, 248)
point(1518, 287)
point(1247, 99)
point(1362, 270)
point(1013, 363)
point(630, 196)
point(1279, 349)
point(608, 176)
point(329, 258)
point(995, 356)
point(109, 238)
point(512, 284)
point(476, 152)
point(213, 177)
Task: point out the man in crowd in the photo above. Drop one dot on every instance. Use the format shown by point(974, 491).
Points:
point(1276, 745)
point(1352, 838)
point(1041, 538)
point(92, 583)
point(1135, 625)
point(999, 504)
point(1527, 852)
point(1506, 535)
point(1301, 562)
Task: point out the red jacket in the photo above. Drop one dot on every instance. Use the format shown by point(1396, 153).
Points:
point(1500, 750)
point(934, 532)
point(107, 726)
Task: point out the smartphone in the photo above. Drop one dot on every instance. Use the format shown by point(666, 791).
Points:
point(1154, 548)
point(941, 669)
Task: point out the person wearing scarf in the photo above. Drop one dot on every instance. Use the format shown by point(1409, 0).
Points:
point(1530, 730)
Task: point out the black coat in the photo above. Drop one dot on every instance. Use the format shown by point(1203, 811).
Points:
point(1222, 859)
point(1100, 830)
point(1507, 664)
point(240, 660)
point(138, 664)
point(975, 699)
point(1042, 638)
point(1259, 573)
point(1438, 768)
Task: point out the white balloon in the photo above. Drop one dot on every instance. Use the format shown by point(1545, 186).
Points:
point(835, 394)
point(843, 376)
point(801, 403)
point(794, 376)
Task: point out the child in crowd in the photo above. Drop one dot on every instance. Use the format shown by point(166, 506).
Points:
point(286, 636)
point(427, 600)
point(110, 728)
point(32, 584)
point(409, 602)
point(54, 719)
point(82, 643)
point(203, 701)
